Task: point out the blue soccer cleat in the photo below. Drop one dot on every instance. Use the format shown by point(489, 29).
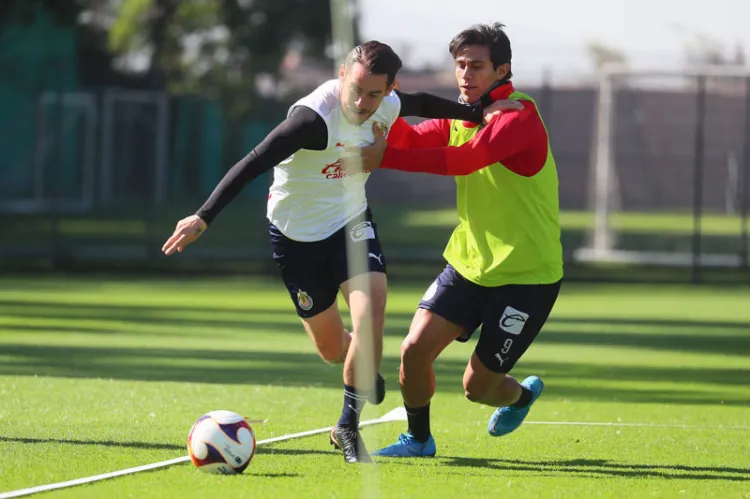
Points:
point(507, 419)
point(407, 446)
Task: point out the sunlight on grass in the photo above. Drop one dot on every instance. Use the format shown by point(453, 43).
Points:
point(672, 223)
point(101, 374)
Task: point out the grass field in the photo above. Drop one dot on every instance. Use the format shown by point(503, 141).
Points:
point(403, 228)
point(100, 374)
point(126, 239)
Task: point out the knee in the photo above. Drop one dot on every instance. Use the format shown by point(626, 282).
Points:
point(332, 353)
point(331, 357)
point(474, 391)
point(473, 395)
point(415, 352)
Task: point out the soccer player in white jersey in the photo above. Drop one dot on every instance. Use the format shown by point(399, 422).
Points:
point(316, 208)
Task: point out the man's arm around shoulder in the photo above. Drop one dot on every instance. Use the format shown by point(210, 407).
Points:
point(517, 139)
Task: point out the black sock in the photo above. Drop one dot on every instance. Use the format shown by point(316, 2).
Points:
point(524, 399)
point(419, 422)
point(353, 405)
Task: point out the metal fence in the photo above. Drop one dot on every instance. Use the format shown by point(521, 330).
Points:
point(99, 177)
point(670, 172)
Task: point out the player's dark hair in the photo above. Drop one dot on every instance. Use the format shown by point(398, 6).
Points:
point(378, 58)
point(491, 36)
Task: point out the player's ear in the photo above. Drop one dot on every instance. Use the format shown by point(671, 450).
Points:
point(342, 71)
point(502, 70)
point(394, 86)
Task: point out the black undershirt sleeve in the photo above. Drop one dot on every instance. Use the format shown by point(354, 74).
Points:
point(434, 107)
point(303, 129)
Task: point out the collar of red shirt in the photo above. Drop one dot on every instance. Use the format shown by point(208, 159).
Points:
point(500, 92)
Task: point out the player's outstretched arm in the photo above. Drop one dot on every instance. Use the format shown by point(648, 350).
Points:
point(424, 105)
point(303, 129)
point(508, 135)
point(436, 132)
point(505, 137)
point(187, 231)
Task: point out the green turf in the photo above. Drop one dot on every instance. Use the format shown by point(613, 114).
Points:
point(633, 222)
point(102, 374)
point(129, 238)
point(638, 222)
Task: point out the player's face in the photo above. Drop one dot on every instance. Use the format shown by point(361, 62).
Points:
point(474, 72)
point(361, 92)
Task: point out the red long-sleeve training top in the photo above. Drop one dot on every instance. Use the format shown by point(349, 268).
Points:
point(517, 139)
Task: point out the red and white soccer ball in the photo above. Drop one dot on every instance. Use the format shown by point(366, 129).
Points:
point(221, 442)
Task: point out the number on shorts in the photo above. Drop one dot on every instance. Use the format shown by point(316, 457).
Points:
point(506, 346)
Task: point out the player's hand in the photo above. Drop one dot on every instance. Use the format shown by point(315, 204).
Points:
point(499, 106)
point(368, 158)
point(187, 231)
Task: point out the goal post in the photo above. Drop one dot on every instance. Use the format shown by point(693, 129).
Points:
point(62, 163)
point(665, 163)
point(135, 136)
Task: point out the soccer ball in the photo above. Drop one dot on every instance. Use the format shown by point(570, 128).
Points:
point(221, 442)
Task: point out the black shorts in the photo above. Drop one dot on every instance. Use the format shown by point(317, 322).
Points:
point(511, 316)
point(314, 271)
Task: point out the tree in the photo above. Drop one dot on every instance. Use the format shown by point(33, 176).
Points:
point(704, 50)
point(602, 54)
point(64, 12)
point(739, 58)
point(219, 48)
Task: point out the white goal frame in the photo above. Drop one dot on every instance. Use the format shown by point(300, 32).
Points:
point(83, 103)
point(160, 101)
point(603, 181)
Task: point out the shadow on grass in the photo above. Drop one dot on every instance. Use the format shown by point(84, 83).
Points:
point(65, 315)
point(295, 452)
point(265, 449)
point(273, 367)
point(710, 341)
point(654, 323)
point(724, 337)
point(604, 468)
point(269, 475)
point(103, 443)
point(406, 242)
point(301, 369)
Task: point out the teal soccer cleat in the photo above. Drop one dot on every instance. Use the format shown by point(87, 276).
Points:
point(507, 419)
point(407, 446)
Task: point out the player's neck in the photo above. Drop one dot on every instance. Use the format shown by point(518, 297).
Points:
point(351, 123)
point(499, 90)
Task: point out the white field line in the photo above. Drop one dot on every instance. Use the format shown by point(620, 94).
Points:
point(398, 414)
point(636, 425)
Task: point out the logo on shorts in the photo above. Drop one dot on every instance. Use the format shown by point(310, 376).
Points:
point(512, 320)
point(362, 232)
point(379, 257)
point(304, 300)
point(501, 359)
point(431, 291)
